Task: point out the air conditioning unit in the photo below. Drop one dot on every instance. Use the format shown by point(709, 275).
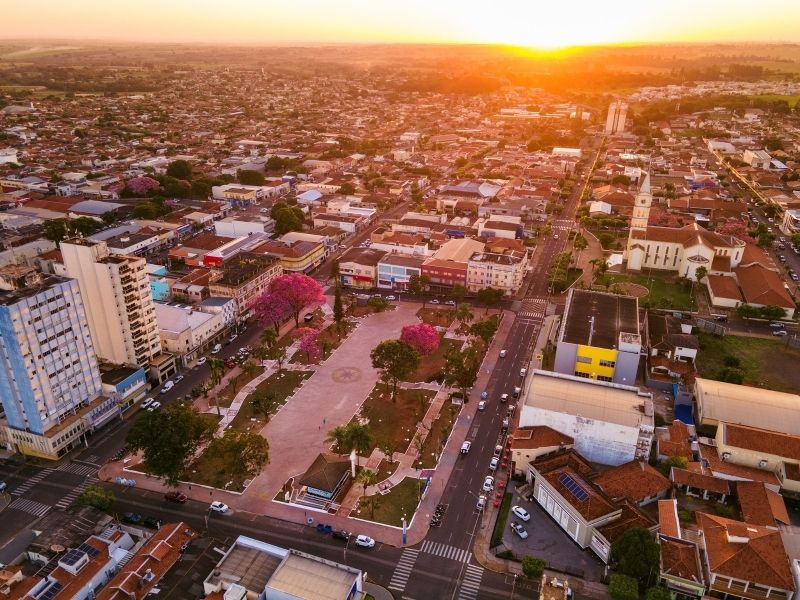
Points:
point(726, 455)
point(762, 464)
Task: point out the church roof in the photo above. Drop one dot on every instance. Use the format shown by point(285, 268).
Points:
point(688, 236)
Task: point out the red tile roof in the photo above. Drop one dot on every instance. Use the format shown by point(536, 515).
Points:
point(761, 440)
point(634, 480)
point(668, 518)
point(763, 286)
point(760, 505)
point(699, 481)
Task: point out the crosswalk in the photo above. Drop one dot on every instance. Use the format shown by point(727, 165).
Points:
point(29, 483)
point(77, 469)
point(535, 308)
point(31, 507)
point(471, 583)
point(403, 569)
point(445, 551)
point(67, 500)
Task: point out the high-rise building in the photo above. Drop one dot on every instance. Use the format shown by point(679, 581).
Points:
point(48, 368)
point(119, 307)
point(617, 113)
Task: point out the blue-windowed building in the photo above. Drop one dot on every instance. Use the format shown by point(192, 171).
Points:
point(396, 270)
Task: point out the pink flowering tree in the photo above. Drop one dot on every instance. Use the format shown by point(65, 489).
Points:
point(141, 185)
point(270, 310)
point(421, 337)
point(737, 229)
point(296, 291)
point(309, 343)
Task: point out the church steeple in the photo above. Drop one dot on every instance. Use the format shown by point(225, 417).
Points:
point(641, 207)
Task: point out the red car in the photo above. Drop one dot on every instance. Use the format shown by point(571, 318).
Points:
point(175, 496)
point(230, 363)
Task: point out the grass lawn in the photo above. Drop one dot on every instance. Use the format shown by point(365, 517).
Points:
point(762, 362)
point(401, 500)
point(432, 364)
point(394, 422)
point(206, 470)
point(438, 317)
point(281, 385)
point(329, 339)
point(502, 518)
point(437, 436)
point(666, 291)
point(385, 469)
point(228, 393)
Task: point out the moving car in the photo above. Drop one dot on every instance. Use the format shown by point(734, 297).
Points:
point(521, 513)
point(465, 447)
point(503, 353)
point(341, 534)
point(519, 530)
point(132, 517)
point(219, 507)
point(482, 405)
point(493, 463)
point(481, 502)
point(488, 483)
point(175, 496)
point(365, 541)
point(201, 361)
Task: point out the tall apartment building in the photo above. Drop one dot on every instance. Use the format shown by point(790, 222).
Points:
point(48, 369)
point(118, 303)
point(617, 114)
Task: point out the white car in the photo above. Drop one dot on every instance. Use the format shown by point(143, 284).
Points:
point(493, 463)
point(216, 349)
point(465, 447)
point(519, 530)
point(233, 338)
point(523, 372)
point(365, 541)
point(488, 483)
point(481, 503)
point(391, 297)
point(201, 361)
point(482, 405)
point(521, 513)
point(147, 402)
point(503, 397)
point(154, 406)
point(498, 450)
point(503, 353)
point(178, 378)
point(450, 303)
point(167, 387)
point(435, 301)
point(219, 507)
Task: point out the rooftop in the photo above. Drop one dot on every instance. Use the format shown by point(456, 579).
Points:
point(597, 319)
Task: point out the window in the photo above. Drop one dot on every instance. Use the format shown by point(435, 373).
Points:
point(587, 360)
point(579, 374)
point(608, 363)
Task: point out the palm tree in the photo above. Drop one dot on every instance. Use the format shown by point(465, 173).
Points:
point(249, 369)
point(359, 438)
point(339, 437)
point(464, 313)
point(268, 337)
point(367, 477)
point(217, 367)
point(261, 352)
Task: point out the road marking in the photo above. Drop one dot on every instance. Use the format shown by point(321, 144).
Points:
point(31, 507)
point(446, 551)
point(471, 583)
point(32, 482)
point(78, 469)
point(67, 500)
point(403, 570)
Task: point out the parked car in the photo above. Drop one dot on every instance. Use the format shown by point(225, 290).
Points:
point(167, 387)
point(523, 371)
point(481, 502)
point(201, 361)
point(484, 395)
point(450, 303)
point(341, 534)
point(493, 463)
point(233, 338)
point(503, 353)
point(504, 426)
point(175, 496)
point(482, 405)
point(154, 406)
point(519, 530)
point(216, 349)
point(3, 486)
point(517, 392)
point(365, 541)
point(434, 301)
point(391, 297)
point(521, 513)
point(178, 378)
point(465, 447)
point(777, 325)
point(308, 318)
point(503, 397)
point(230, 363)
point(780, 332)
point(132, 518)
point(498, 450)
point(147, 402)
point(151, 522)
point(488, 483)
point(219, 507)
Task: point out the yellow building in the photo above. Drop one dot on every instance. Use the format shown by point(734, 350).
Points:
point(599, 337)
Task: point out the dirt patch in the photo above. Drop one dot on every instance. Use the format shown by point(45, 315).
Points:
point(633, 289)
point(431, 365)
point(438, 317)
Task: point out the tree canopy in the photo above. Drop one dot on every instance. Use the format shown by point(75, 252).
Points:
point(250, 177)
point(287, 218)
point(396, 360)
point(295, 292)
point(179, 169)
point(636, 553)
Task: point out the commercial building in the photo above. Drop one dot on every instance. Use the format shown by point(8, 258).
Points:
point(295, 257)
point(358, 267)
point(254, 569)
point(244, 278)
point(611, 424)
point(48, 367)
point(600, 337)
point(504, 271)
point(396, 270)
point(119, 306)
point(187, 331)
point(125, 385)
point(617, 115)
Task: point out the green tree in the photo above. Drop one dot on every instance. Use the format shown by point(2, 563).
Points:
point(461, 368)
point(489, 297)
point(636, 554)
point(673, 461)
point(55, 230)
point(168, 439)
point(179, 169)
point(339, 437)
point(97, 496)
point(700, 273)
point(338, 308)
point(217, 369)
point(366, 477)
point(249, 368)
point(396, 360)
point(262, 401)
point(771, 211)
point(747, 311)
point(250, 177)
point(346, 189)
point(621, 180)
point(458, 292)
point(353, 436)
point(287, 218)
point(85, 225)
point(622, 587)
point(464, 313)
point(243, 453)
point(484, 329)
point(418, 285)
point(268, 337)
point(658, 593)
point(773, 312)
point(533, 567)
point(378, 303)
point(277, 353)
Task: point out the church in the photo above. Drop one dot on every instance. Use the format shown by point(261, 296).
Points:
point(681, 250)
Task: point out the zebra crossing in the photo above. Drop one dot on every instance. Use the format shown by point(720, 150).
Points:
point(67, 500)
point(403, 569)
point(31, 507)
point(77, 469)
point(471, 583)
point(446, 551)
point(533, 308)
point(29, 483)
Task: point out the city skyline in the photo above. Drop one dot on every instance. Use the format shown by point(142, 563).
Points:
point(356, 21)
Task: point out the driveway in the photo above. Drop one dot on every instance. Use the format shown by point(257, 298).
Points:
point(548, 541)
point(330, 397)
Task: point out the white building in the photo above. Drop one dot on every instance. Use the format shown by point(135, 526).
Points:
point(187, 331)
point(8, 155)
point(617, 114)
point(119, 306)
point(241, 226)
point(611, 424)
point(499, 271)
point(758, 159)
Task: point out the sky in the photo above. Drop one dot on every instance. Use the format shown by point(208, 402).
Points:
point(532, 23)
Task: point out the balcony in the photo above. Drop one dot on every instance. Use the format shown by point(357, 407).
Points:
point(737, 589)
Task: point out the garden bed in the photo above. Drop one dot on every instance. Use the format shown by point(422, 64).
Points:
point(438, 317)
point(432, 365)
point(329, 339)
point(394, 422)
point(281, 386)
point(401, 501)
point(437, 436)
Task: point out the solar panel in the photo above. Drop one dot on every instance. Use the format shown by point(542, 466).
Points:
point(72, 557)
point(575, 488)
point(51, 591)
point(90, 550)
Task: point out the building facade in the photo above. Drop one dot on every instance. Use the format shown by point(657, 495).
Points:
point(617, 115)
